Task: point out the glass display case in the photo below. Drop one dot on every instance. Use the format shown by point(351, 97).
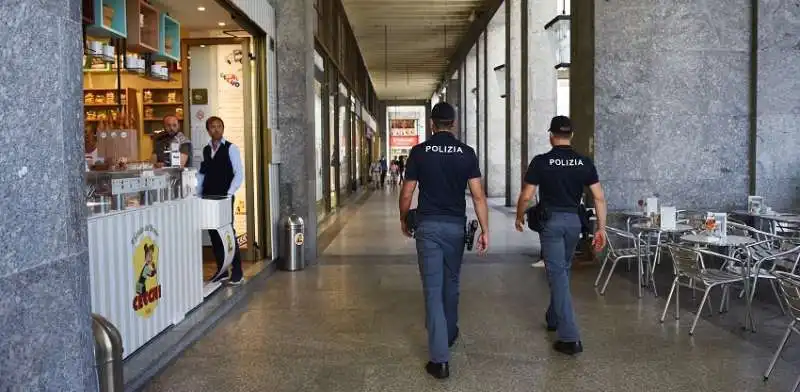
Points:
point(110, 191)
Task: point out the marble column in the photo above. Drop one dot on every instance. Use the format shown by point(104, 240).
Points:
point(46, 339)
point(383, 129)
point(542, 78)
point(462, 100)
point(295, 54)
point(582, 75)
point(480, 98)
point(514, 158)
point(777, 144)
point(496, 106)
point(454, 89)
point(471, 99)
point(671, 101)
point(428, 130)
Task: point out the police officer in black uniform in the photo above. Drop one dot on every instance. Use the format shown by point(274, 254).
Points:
point(443, 167)
point(561, 176)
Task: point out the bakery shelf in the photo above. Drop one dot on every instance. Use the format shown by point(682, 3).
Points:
point(144, 24)
point(169, 41)
point(110, 19)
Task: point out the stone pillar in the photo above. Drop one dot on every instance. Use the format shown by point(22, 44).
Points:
point(542, 78)
point(514, 158)
point(471, 99)
point(454, 98)
point(778, 104)
point(295, 54)
point(462, 100)
point(383, 129)
point(46, 339)
point(671, 102)
point(496, 109)
point(483, 151)
point(582, 75)
point(427, 120)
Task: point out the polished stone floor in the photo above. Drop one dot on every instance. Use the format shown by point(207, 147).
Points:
point(354, 323)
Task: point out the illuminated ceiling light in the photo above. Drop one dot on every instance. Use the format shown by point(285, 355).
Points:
point(221, 24)
point(201, 8)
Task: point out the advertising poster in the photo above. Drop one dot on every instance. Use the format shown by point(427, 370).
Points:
point(230, 107)
point(226, 233)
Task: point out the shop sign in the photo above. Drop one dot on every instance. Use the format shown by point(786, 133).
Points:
point(404, 141)
point(147, 289)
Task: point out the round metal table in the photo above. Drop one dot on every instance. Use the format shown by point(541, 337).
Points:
point(730, 241)
point(650, 229)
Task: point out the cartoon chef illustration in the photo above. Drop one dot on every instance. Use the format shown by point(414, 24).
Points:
point(148, 269)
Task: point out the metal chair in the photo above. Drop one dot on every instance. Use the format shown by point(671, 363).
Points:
point(790, 290)
point(770, 254)
point(617, 253)
point(688, 264)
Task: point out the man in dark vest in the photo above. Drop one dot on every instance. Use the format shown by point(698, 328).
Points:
point(221, 174)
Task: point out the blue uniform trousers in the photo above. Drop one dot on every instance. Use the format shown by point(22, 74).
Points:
point(559, 239)
point(440, 249)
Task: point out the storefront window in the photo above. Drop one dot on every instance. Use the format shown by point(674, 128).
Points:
point(318, 146)
point(145, 108)
point(334, 157)
point(344, 140)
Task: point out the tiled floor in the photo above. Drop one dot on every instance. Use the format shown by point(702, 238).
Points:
point(354, 323)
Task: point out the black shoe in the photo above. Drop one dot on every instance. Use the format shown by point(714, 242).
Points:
point(438, 370)
point(569, 348)
point(453, 340)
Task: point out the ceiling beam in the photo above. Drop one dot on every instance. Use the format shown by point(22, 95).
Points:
point(469, 39)
point(405, 102)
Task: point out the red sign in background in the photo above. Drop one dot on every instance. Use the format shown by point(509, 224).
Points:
point(404, 141)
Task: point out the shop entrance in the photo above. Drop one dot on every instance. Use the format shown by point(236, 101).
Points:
point(154, 71)
point(221, 72)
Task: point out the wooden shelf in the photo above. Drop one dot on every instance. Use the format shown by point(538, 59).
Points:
point(163, 104)
point(110, 19)
point(169, 38)
point(159, 106)
point(143, 27)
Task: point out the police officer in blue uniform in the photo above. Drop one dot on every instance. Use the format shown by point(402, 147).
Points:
point(443, 167)
point(561, 176)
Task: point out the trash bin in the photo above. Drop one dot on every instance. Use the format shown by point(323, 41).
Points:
point(107, 354)
point(294, 256)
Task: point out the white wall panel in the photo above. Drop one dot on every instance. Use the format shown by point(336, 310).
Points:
point(174, 228)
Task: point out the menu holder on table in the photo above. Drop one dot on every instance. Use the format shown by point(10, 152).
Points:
point(669, 218)
point(651, 206)
point(755, 204)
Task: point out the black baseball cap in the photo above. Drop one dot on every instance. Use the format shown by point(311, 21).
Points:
point(443, 111)
point(560, 124)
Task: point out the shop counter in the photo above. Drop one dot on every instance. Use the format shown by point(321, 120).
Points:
point(145, 250)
